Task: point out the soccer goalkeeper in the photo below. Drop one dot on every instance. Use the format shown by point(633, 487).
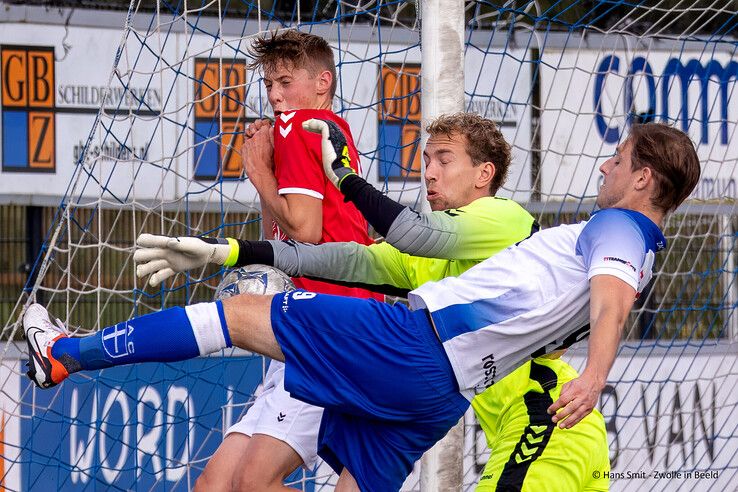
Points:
point(399, 378)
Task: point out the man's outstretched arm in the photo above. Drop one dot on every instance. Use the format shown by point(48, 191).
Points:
point(611, 300)
point(447, 234)
point(378, 267)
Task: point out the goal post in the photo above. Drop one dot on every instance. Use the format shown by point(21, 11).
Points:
point(442, 83)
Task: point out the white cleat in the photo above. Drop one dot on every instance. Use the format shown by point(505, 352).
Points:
point(41, 333)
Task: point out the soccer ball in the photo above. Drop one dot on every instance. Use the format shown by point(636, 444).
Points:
point(253, 279)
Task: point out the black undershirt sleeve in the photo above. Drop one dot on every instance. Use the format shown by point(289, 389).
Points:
point(254, 252)
point(379, 210)
point(384, 289)
point(262, 253)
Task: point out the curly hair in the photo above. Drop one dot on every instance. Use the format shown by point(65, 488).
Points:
point(484, 142)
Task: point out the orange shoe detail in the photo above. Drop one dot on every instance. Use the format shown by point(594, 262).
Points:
point(58, 371)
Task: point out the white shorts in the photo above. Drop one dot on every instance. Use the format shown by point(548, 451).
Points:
point(276, 414)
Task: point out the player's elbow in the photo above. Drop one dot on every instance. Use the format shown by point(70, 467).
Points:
point(306, 233)
point(301, 228)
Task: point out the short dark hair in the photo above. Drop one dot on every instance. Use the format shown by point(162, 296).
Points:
point(671, 155)
point(295, 48)
point(484, 142)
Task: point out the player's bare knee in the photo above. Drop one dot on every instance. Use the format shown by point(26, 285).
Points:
point(217, 475)
point(203, 483)
point(211, 481)
point(257, 474)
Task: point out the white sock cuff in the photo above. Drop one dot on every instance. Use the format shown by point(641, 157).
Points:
point(206, 325)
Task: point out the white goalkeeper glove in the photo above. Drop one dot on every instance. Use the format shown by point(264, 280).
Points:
point(163, 256)
point(336, 160)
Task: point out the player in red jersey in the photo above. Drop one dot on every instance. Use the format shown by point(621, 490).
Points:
point(299, 175)
point(279, 433)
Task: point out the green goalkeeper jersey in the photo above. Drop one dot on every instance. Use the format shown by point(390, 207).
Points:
point(529, 452)
point(479, 230)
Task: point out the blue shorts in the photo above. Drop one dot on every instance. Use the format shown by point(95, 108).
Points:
point(381, 374)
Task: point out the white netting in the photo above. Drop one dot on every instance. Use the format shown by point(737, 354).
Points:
point(565, 80)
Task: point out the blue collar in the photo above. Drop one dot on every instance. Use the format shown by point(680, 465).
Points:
point(655, 240)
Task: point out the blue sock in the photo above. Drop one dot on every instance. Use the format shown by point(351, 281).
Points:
point(170, 335)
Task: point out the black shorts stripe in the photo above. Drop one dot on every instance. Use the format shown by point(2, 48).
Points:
point(536, 434)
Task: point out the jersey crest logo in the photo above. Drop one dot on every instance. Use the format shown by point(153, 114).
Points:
point(284, 131)
point(115, 340)
point(286, 117)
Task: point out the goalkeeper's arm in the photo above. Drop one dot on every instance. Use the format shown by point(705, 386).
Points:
point(377, 267)
point(433, 235)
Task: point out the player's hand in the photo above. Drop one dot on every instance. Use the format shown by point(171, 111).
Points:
point(336, 160)
point(577, 399)
point(163, 256)
point(257, 153)
point(254, 126)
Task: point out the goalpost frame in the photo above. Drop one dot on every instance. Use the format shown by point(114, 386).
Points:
point(442, 92)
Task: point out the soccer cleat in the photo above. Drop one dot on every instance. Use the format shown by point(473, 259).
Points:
point(41, 333)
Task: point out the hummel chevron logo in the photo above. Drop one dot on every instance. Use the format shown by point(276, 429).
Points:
point(527, 451)
point(538, 429)
point(534, 440)
point(281, 417)
point(284, 131)
point(530, 445)
point(535, 437)
point(519, 459)
point(285, 117)
point(453, 213)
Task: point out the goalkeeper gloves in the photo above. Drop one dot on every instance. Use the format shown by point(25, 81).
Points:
point(336, 160)
point(164, 256)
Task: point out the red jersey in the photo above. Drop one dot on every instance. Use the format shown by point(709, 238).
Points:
point(298, 167)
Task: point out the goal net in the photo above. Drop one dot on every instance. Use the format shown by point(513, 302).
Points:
point(145, 124)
